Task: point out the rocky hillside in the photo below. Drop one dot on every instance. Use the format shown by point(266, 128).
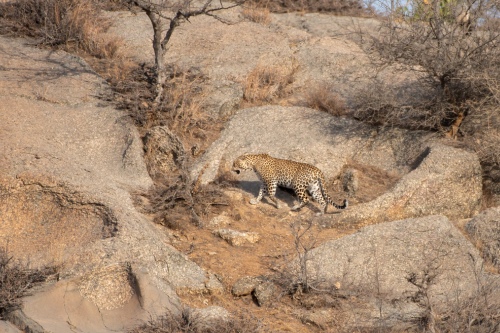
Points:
point(414, 251)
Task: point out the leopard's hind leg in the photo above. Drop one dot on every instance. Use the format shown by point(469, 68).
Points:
point(317, 194)
point(272, 186)
point(258, 198)
point(301, 193)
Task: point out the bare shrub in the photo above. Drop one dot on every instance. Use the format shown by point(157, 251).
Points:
point(477, 313)
point(456, 70)
point(322, 97)
point(339, 7)
point(165, 16)
point(376, 106)
point(269, 83)
point(451, 62)
point(72, 24)
point(294, 275)
point(176, 196)
point(173, 200)
point(16, 280)
point(187, 323)
point(304, 242)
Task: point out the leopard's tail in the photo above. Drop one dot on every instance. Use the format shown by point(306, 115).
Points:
point(344, 205)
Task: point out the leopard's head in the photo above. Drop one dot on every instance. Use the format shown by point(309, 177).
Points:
point(242, 163)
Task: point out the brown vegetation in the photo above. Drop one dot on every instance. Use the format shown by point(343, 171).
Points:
point(256, 14)
point(181, 109)
point(458, 77)
point(175, 195)
point(269, 83)
point(322, 97)
point(339, 7)
point(71, 24)
point(186, 322)
point(16, 280)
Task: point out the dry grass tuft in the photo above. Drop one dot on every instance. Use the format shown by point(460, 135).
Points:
point(183, 101)
point(176, 201)
point(182, 106)
point(257, 14)
point(70, 24)
point(322, 97)
point(268, 84)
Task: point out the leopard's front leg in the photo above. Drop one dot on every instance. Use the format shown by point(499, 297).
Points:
point(268, 188)
point(258, 198)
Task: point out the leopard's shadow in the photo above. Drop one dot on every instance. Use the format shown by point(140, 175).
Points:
point(284, 195)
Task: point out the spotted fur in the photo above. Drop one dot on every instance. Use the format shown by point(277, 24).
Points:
point(301, 177)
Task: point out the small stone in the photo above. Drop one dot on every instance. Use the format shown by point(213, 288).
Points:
point(264, 293)
point(204, 319)
point(246, 285)
point(220, 221)
point(237, 238)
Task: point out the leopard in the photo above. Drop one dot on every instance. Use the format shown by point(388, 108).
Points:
point(302, 178)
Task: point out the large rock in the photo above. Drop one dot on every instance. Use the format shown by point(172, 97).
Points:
point(7, 327)
point(377, 271)
point(484, 229)
point(448, 181)
point(69, 163)
point(110, 299)
point(384, 255)
point(205, 319)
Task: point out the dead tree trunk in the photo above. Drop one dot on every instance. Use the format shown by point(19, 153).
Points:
point(160, 47)
point(160, 52)
point(155, 11)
